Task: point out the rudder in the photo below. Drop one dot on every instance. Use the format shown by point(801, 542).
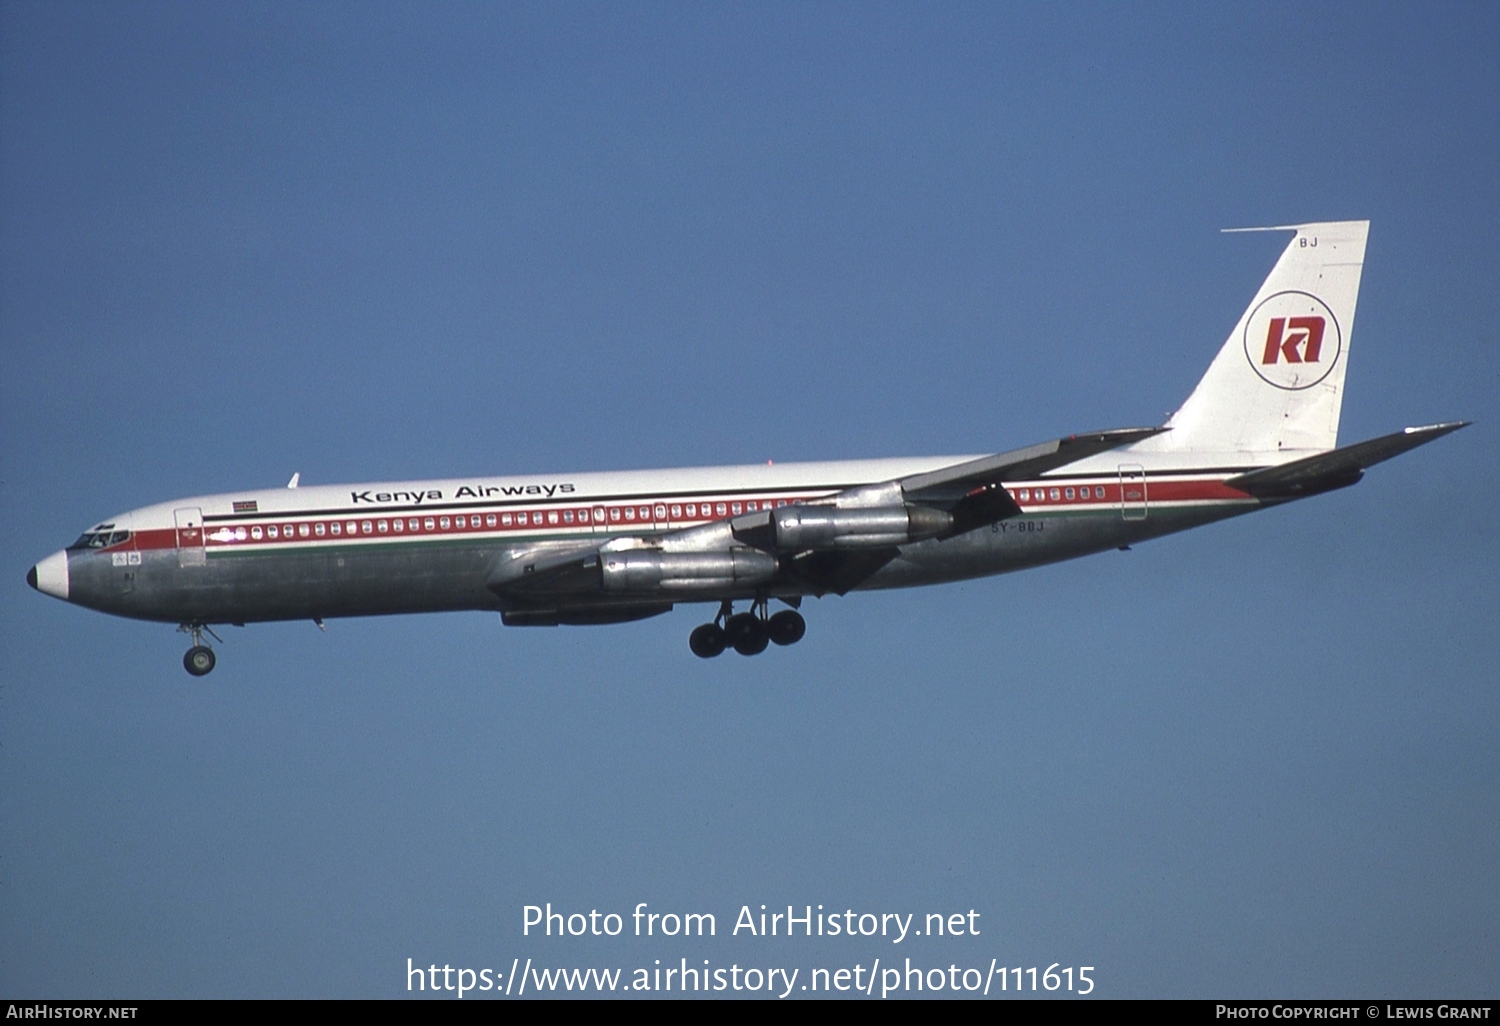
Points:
point(1274, 392)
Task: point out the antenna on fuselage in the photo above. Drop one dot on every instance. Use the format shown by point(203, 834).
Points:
point(295, 478)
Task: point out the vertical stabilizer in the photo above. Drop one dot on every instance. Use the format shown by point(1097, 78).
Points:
point(1274, 392)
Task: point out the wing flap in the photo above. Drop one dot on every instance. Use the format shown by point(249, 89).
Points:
point(828, 570)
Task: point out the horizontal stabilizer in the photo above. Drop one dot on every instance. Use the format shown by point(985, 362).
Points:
point(1338, 468)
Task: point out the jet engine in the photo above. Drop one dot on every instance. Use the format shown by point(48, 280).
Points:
point(649, 570)
point(822, 527)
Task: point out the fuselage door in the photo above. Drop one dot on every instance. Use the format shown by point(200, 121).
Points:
point(1132, 491)
point(189, 536)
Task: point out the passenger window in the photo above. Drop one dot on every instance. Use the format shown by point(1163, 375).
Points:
point(552, 516)
point(382, 526)
point(334, 527)
point(1098, 491)
point(505, 520)
point(444, 523)
point(567, 516)
point(273, 532)
point(304, 530)
point(629, 512)
point(720, 509)
point(676, 512)
point(461, 522)
point(614, 513)
point(367, 527)
point(692, 509)
point(318, 529)
point(1055, 495)
point(1025, 495)
point(255, 533)
point(1067, 493)
point(736, 508)
point(489, 520)
point(398, 525)
point(661, 512)
point(429, 524)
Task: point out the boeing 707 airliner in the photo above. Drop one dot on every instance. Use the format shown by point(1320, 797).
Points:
point(1260, 429)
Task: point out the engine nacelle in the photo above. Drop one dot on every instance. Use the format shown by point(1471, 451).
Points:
point(648, 570)
point(823, 527)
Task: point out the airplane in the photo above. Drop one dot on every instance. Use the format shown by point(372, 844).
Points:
point(1260, 429)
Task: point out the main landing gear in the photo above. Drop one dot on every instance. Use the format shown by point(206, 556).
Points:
point(747, 633)
point(199, 659)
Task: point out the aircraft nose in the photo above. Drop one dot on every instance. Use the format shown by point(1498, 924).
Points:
point(50, 576)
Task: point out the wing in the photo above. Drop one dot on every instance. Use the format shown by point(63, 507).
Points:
point(830, 545)
point(971, 492)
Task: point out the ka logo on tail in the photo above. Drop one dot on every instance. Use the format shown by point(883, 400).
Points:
point(1292, 340)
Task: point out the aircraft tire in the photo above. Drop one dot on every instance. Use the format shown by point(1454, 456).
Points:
point(707, 641)
point(739, 625)
point(199, 660)
point(786, 627)
point(752, 638)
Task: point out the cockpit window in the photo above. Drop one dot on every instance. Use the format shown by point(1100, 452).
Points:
point(100, 539)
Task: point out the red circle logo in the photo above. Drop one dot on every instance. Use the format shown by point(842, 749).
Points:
point(1292, 340)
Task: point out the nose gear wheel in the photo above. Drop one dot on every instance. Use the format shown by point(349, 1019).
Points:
point(199, 660)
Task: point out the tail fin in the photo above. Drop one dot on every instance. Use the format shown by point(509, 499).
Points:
point(1277, 385)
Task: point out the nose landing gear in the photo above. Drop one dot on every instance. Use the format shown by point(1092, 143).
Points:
point(747, 633)
point(199, 659)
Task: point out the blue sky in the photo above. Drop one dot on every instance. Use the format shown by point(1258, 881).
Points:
point(374, 241)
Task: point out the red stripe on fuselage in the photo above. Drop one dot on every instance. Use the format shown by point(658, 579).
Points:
point(579, 518)
point(618, 517)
